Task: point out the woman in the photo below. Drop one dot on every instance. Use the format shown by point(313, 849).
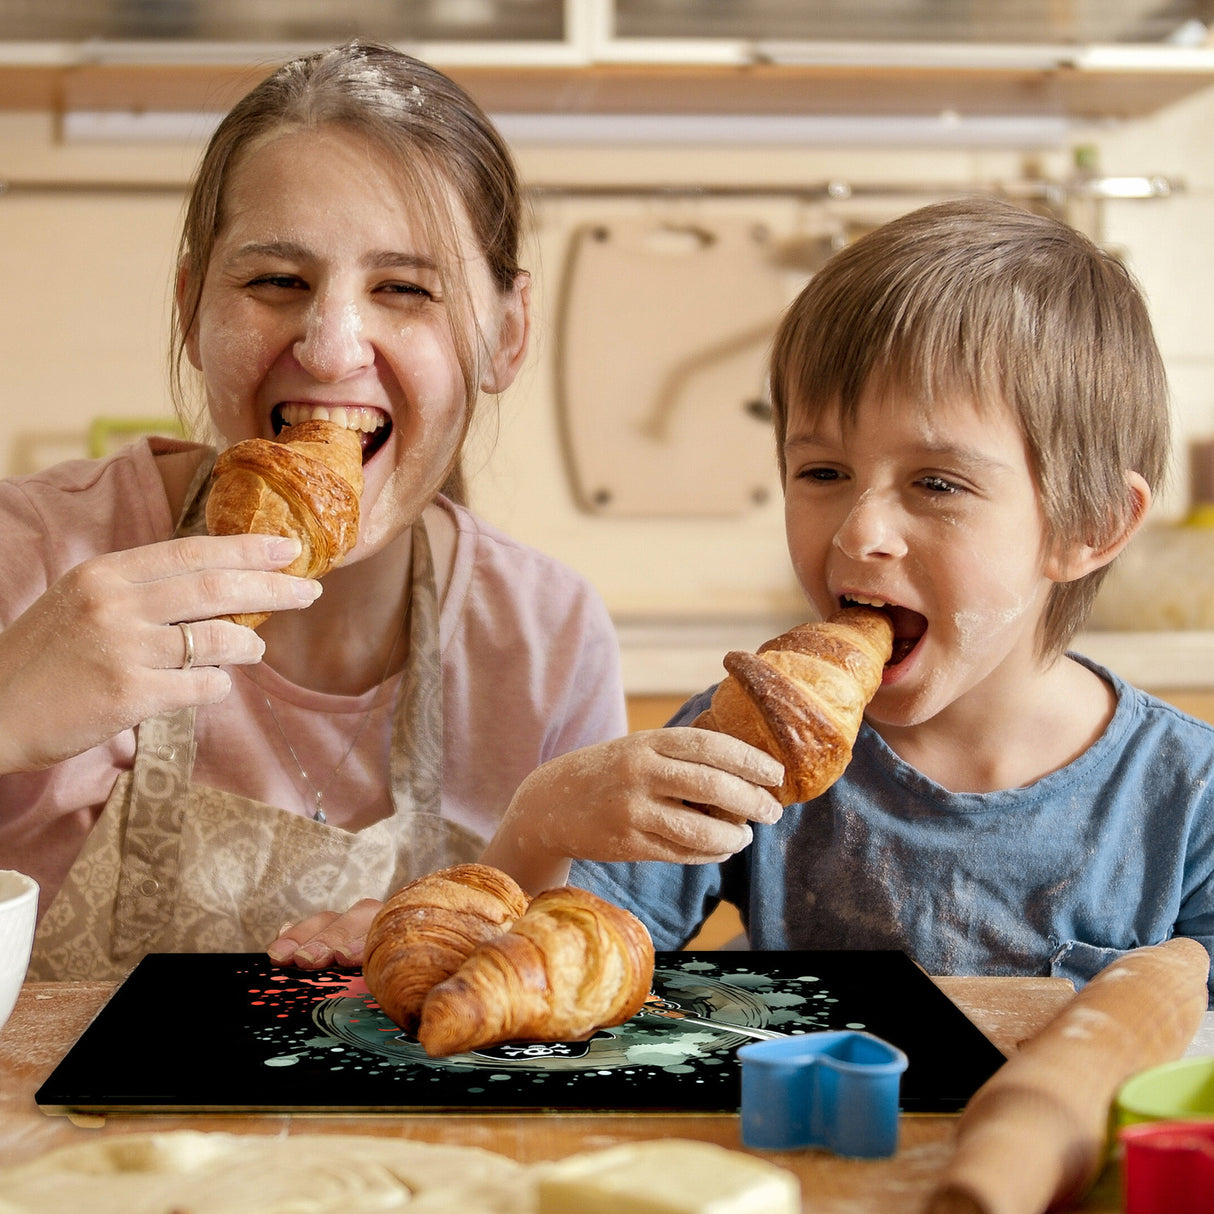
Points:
point(177, 781)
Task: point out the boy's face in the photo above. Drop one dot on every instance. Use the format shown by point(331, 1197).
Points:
point(934, 512)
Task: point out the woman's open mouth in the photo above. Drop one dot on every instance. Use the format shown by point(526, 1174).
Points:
point(909, 626)
point(373, 425)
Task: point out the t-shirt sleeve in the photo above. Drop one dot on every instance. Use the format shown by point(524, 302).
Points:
point(672, 900)
point(594, 708)
point(54, 519)
point(1196, 916)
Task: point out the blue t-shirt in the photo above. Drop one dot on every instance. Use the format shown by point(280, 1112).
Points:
point(1059, 878)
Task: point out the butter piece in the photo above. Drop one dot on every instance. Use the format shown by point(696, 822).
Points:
point(666, 1176)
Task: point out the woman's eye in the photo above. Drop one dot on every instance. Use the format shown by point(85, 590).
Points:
point(412, 289)
point(283, 281)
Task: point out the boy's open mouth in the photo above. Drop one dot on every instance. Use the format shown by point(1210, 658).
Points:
point(909, 626)
point(373, 425)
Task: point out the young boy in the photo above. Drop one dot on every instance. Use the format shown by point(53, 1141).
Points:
point(971, 418)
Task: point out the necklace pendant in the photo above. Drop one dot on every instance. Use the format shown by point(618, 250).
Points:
point(319, 815)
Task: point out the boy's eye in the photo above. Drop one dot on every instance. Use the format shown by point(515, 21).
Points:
point(819, 474)
point(938, 484)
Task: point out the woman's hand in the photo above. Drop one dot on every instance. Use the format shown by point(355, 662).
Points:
point(325, 939)
point(102, 649)
point(684, 795)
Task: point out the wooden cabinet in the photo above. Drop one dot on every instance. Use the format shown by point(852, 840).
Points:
point(1084, 62)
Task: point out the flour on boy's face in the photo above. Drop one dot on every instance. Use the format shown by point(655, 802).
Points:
point(931, 512)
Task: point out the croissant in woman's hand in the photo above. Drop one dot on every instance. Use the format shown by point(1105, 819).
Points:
point(427, 929)
point(572, 964)
point(802, 697)
point(307, 485)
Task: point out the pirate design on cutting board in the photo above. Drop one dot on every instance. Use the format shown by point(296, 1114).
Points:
point(691, 1015)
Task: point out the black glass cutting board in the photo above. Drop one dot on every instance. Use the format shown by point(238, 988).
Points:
point(231, 1031)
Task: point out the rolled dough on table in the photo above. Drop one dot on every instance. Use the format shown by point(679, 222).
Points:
point(198, 1172)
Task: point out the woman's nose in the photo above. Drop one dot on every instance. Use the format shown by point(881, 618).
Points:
point(333, 343)
point(870, 529)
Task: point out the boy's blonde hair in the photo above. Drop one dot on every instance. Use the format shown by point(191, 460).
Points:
point(981, 300)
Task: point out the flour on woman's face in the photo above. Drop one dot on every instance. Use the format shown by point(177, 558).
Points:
point(324, 293)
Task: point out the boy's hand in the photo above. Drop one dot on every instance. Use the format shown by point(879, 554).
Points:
point(683, 795)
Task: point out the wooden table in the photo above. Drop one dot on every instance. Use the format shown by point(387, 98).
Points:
point(50, 1016)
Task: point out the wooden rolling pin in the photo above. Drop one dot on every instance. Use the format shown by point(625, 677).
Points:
point(1034, 1136)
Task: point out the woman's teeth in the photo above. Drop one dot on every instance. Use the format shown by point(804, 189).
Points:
point(349, 417)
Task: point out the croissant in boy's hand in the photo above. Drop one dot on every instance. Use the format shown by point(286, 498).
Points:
point(801, 698)
point(463, 960)
point(307, 485)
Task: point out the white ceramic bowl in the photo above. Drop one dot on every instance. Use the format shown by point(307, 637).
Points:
point(18, 910)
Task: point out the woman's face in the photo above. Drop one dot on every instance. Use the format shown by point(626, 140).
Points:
point(322, 298)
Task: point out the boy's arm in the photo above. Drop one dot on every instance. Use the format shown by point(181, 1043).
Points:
point(1197, 921)
point(682, 795)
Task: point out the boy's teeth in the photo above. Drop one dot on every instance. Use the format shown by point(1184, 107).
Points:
point(863, 601)
point(355, 417)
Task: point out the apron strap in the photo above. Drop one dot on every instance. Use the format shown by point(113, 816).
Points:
point(150, 856)
point(164, 761)
point(193, 519)
point(417, 729)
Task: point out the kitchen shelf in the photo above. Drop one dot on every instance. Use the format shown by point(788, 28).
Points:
point(1094, 89)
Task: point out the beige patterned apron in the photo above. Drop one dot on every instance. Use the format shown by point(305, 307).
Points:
point(171, 866)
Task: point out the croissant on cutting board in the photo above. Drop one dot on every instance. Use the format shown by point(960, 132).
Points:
point(426, 930)
point(801, 698)
point(573, 963)
point(308, 484)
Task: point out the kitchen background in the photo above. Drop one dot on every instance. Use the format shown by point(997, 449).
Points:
point(691, 162)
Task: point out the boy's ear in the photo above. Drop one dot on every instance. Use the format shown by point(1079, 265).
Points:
point(514, 329)
point(1072, 561)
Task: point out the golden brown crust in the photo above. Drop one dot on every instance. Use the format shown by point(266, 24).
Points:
point(572, 964)
point(307, 486)
point(802, 697)
point(426, 930)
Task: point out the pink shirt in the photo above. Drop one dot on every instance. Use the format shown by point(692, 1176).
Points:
point(529, 656)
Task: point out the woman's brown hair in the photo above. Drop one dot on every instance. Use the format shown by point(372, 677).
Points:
point(443, 142)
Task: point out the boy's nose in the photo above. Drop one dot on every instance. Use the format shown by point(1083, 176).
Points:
point(333, 343)
point(870, 529)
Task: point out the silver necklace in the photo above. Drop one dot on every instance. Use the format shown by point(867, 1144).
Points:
point(318, 793)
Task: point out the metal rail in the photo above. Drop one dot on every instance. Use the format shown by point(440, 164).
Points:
point(1043, 190)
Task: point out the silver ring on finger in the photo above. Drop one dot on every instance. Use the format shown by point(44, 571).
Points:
point(187, 636)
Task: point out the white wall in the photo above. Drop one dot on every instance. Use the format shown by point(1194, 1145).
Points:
point(1169, 246)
